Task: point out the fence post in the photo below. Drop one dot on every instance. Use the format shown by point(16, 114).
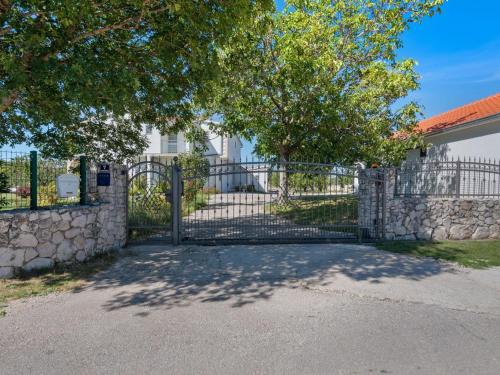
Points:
point(33, 180)
point(176, 203)
point(83, 180)
point(458, 179)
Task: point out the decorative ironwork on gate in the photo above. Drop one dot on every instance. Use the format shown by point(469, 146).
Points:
point(254, 201)
point(278, 202)
point(149, 203)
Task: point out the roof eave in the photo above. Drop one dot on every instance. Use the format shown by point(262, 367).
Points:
point(468, 124)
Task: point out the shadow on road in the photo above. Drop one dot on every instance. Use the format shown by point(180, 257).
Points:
point(166, 276)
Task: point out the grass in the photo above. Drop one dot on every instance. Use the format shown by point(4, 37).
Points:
point(199, 201)
point(474, 254)
point(60, 279)
point(341, 211)
point(157, 212)
point(14, 201)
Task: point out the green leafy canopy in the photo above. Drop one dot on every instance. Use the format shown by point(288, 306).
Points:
point(321, 79)
point(83, 76)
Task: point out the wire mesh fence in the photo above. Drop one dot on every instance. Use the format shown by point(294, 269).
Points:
point(28, 180)
point(14, 180)
point(449, 178)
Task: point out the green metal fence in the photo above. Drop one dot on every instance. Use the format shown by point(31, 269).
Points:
point(28, 180)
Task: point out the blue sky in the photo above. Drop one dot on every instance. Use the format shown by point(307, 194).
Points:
point(458, 52)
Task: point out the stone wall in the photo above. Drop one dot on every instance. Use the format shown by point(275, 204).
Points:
point(426, 218)
point(440, 219)
point(38, 239)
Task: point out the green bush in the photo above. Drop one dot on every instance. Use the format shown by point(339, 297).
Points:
point(195, 170)
point(47, 194)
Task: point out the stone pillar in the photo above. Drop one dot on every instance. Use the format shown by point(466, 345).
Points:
point(112, 221)
point(375, 193)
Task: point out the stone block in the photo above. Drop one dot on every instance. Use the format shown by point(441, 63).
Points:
point(81, 256)
point(460, 232)
point(55, 217)
point(439, 233)
point(57, 237)
point(33, 216)
point(89, 245)
point(79, 242)
point(46, 249)
point(43, 235)
point(29, 254)
point(6, 272)
point(38, 264)
point(6, 256)
point(45, 223)
point(73, 232)
point(481, 233)
point(62, 225)
point(4, 225)
point(24, 240)
point(4, 239)
point(79, 221)
point(65, 251)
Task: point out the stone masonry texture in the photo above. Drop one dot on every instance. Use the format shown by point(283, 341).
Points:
point(428, 218)
point(31, 240)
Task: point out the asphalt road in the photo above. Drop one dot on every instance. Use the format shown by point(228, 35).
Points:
point(309, 309)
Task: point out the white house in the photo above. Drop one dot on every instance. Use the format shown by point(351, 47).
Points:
point(472, 130)
point(219, 150)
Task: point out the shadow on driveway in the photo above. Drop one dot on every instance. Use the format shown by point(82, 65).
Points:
point(165, 276)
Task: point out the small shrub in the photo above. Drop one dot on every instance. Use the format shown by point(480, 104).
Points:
point(195, 169)
point(47, 194)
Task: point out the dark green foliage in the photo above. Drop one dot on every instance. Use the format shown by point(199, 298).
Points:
point(322, 79)
point(195, 171)
point(67, 68)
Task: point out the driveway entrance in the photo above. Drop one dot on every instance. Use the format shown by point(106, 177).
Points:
point(257, 201)
point(262, 309)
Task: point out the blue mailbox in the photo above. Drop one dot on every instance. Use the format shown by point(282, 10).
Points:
point(103, 175)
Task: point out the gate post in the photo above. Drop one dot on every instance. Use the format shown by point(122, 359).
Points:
point(176, 203)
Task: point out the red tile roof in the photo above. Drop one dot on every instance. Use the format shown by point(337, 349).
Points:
point(473, 111)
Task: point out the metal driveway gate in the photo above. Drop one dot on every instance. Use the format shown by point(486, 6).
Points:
point(149, 203)
point(278, 202)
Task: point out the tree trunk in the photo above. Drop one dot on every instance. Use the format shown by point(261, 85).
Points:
point(283, 193)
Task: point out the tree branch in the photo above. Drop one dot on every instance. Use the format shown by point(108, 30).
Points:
point(8, 100)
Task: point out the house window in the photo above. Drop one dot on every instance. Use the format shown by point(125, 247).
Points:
point(172, 143)
point(423, 152)
point(149, 129)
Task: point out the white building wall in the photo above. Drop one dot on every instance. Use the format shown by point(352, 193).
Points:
point(219, 150)
point(154, 140)
point(480, 141)
point(233, 149)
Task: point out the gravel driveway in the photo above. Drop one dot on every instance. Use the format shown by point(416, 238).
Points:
point(275, 309)
point(236, 216)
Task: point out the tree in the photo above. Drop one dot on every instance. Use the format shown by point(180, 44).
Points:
point(195, 170)
point(321, 80)
point(82, 76)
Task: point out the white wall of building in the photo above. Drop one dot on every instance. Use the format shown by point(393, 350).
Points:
point(479, 141)
point(158, 143)
point(220, 149)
